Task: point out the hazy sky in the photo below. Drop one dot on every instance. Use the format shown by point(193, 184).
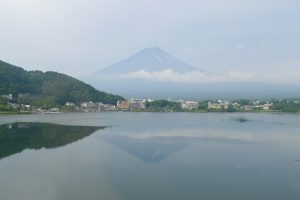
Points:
point(81, 36)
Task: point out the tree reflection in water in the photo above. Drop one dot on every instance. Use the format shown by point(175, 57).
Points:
point(16, 137)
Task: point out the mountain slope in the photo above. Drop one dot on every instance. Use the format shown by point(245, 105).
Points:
point(149, 59)
point(57, 88)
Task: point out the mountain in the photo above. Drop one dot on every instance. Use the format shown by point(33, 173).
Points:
point(153, 73)
point(149, 59)
point(49, 87)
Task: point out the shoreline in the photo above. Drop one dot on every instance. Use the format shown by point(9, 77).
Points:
point(144, 111)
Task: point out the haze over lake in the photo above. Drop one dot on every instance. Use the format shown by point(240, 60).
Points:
point(135, 156)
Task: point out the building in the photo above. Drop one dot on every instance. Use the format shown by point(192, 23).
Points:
point(106, 107)
point(136, 104)
point(123, 105)
point(25, 106)
point(8, 97)
point(246, 108)
point(189, 105)
point(220, 105)
point(88, 106)
point(100, 105)
point(69, 104)
point(109, 107)
point(236, 105)
point(267, 106)
point(258, 107)
point(256, 103)
point(54, 110)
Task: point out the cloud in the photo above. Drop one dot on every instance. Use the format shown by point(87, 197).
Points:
point(282, 76)
point(168, 75)
point(187, 134)
point(238, 75)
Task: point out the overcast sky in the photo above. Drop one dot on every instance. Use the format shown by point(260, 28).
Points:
point(78, 37)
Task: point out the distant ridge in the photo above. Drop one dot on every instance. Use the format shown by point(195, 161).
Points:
point(149, 59)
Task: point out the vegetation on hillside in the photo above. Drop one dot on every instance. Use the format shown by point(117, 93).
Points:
point(50, 88)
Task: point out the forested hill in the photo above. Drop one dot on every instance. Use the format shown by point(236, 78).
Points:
point(49, 87)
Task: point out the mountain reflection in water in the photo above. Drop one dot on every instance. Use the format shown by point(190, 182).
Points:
point(147, 150)
point(156, 146)
point(16, 137)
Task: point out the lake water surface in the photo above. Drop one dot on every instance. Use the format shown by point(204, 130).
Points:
point(150, 156)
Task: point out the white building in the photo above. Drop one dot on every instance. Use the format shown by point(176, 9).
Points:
point(267, 106)
point(189, 105)
point(8, 96)
point(25, 106)
point(70, 104)
point(246, 108)
point(136, 104)
point(88, 106)
point(220, 105)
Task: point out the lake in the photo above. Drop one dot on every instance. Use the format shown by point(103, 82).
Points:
point(150, 156)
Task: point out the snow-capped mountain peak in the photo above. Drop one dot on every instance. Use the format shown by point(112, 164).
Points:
point(151, 60)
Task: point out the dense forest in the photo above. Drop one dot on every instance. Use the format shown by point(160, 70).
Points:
point(50, 88)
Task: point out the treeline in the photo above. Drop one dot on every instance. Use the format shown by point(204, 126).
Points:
point(4, 107)
point(48, 88)
point(289, 106)
point(283, 105)
point(163, 105)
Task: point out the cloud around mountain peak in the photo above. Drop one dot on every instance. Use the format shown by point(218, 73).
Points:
point(169, 75)
point(155, 64)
